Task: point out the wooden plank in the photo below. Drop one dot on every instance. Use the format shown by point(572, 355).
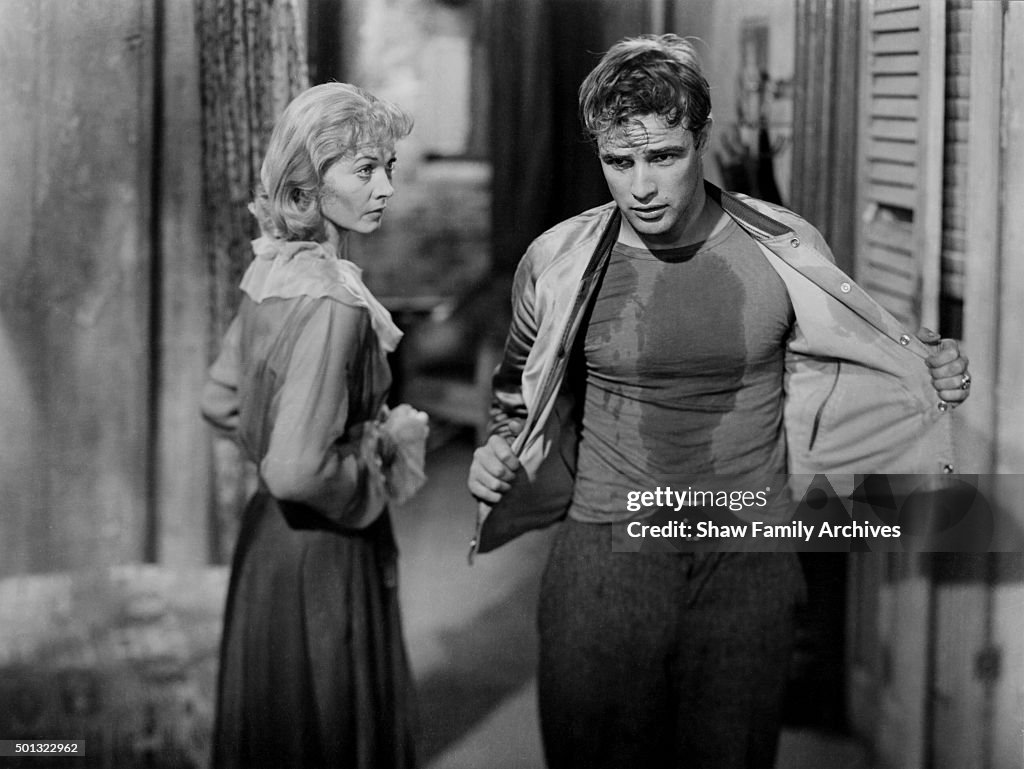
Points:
point(95, 128)
point(891, 295)
point(24, 529)
point(893, 282)
point(959, 695)
point(897, 20)
point(905, 197)
point(843, 148)
point(899, 730)
point(929, 207)
point(907, 108)
point(837, 150)
point(900, 174)
point(904, 631)
point(981, 226)
point(1007, 707)
point(892, 259)
point(893, 291)
point(888, 128)
point(865, 206)
point(892, 274)
point(897, 236)
point(896, 42)
point(904, 730)
point(895, 64)
point(183, 460)
point(885, 149)
point(1010, 436)
point(888, 152)
point(887, 84)
point(882, 7)
point(863, 651)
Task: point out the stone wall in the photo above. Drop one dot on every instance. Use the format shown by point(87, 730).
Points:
point(124, 659)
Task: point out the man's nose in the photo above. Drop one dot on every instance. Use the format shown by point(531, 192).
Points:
point(643, 186)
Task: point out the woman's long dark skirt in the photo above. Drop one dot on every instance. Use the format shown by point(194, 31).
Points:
point(313, 667)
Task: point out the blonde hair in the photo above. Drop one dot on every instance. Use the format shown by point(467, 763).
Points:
point(319, 126)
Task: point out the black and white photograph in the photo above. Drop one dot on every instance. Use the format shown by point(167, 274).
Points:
point(512, 384)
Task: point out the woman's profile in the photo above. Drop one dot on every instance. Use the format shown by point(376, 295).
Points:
point(313, 666)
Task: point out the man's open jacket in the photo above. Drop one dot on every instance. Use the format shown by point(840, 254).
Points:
point(858, 395)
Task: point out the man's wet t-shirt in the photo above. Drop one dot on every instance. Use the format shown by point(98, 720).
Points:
point(684, 356)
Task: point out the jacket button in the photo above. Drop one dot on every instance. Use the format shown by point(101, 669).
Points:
point(947, 469)
point(844, 287)
point(905, 340)
point(795, 242)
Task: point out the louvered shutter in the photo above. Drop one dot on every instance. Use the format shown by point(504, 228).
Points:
point(899, 193)
point(898, 261)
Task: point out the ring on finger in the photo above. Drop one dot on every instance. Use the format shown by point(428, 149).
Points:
point(965, 381)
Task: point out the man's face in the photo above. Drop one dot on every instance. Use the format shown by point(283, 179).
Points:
point(656, 176)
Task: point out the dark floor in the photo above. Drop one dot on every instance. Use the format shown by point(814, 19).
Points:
point(470, 631)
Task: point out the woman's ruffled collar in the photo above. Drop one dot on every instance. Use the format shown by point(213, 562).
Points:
point(289, 269)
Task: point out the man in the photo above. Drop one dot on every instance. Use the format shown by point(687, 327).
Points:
point(673, 337)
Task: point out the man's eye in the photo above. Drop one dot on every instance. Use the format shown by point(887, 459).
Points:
point(667, 158)
point(619, 163)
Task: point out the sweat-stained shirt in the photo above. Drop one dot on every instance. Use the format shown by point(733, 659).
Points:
point(682, 368)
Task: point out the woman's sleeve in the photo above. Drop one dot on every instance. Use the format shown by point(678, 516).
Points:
point(219, 400)
point(311, 458)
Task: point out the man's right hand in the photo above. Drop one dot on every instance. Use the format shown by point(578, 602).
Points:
point(492, 471)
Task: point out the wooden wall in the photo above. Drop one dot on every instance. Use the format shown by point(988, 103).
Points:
point(935, 665)
point(1006, 704)
point(76, 281)
point(101, 285)
point(825, 127)
point(180, 516)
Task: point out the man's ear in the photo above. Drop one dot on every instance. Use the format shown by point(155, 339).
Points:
point(703, 137)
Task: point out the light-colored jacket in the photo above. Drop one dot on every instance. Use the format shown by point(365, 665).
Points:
point(858, 395)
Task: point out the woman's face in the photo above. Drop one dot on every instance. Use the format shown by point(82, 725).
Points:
point(356, 189)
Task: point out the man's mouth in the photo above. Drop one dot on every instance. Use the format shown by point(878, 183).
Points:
point(649, 212)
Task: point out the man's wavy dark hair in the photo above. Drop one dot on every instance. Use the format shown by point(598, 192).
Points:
point(646, 75)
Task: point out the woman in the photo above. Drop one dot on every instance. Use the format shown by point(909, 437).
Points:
point(313, 668)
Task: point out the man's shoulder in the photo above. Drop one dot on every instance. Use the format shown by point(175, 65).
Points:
point(779, 215)
point(775, 211)
point(576, 233)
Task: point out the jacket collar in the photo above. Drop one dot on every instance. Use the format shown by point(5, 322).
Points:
point(759, 225)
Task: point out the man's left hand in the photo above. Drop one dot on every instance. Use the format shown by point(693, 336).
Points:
point(950, 377)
